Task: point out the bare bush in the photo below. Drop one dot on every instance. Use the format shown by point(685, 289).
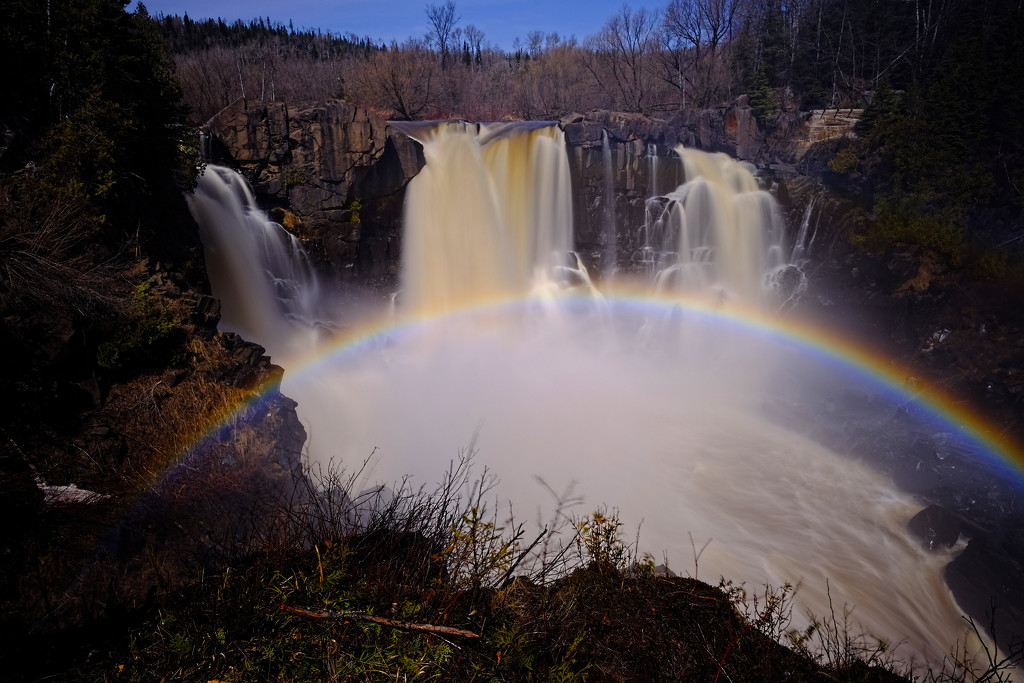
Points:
point(404, 79)
point(621, 58)
point(695, 38)
point(554, 82)
point(213, 78)
point(45, 259)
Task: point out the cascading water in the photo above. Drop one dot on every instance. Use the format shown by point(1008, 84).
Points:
point(652, 154)
point(268, 288)
point(724, 231)
point(805, 235)
point(611, 233)
point(655, 409)
point(489, 217)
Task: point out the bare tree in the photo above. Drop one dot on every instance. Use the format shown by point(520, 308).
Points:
point(695, 32)
point(443, 20)
point(402, 79)
point(475, 38)
point(535, 43)
point(620, 57)
point(553, 82)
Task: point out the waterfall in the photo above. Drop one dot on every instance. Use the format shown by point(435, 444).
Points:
point(652, 154)
point(488, 218)
point(726, 233)
point(667, 413)
point(805, 236)
point(610, 260)
point(268, 288)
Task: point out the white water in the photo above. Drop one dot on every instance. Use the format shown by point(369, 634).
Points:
point(489, 217)
point(725, 232)
point(611, 234)
point(652, 411)
point(268, 289)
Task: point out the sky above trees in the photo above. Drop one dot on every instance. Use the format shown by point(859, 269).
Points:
point(502, 21)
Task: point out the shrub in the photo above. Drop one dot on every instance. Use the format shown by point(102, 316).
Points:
point(903, 219)
point(598, 540)
point(143, 338)
point(293, 178)
point(844, 161)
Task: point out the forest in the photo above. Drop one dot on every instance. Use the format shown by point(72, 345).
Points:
point(692, 53)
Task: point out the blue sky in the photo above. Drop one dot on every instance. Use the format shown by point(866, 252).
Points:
point(502, 21)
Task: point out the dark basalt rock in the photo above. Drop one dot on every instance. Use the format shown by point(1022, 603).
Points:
point(990, 571)
point(935, 527)
point(916, 476)
point(249, 366)
point(338, 168)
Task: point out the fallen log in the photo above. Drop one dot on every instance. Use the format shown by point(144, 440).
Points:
point(393, 623)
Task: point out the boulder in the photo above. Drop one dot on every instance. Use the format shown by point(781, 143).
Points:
point(990, 571)
point(935, 527)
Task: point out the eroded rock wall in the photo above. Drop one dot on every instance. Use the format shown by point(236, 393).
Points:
point(339, 170)
point(337, 173)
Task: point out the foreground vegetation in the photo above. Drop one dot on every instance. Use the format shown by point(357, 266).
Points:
point(432, 586)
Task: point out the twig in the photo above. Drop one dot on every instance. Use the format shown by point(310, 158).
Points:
point(521, 557)
point(697, 554)
point(393, 623)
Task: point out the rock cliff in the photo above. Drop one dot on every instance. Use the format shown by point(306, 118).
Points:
point(336, 168)
point(336, 173)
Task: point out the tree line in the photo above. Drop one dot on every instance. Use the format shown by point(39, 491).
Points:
point(943, 131)
point(689, 54)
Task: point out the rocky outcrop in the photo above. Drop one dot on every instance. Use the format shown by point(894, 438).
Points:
point(337, 168)
point(733, 129)
point(935, 527)
point(105, 456)
point(986, 580)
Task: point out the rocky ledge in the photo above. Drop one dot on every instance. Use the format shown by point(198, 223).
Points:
point(167, 435)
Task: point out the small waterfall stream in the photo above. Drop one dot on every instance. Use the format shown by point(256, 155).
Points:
point(500, 339)
point(609, 261)
point(268, 288)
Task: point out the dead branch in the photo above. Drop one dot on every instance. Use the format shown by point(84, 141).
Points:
point(393, 623)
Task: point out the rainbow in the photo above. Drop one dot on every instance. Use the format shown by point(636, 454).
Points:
point(868, 365)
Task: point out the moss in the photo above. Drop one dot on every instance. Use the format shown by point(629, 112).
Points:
point(293, 178)
point(844, 161)
point(355, 206)
point(147, 337)
point(142, 291)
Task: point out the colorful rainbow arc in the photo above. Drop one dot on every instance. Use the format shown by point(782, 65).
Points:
point(855, 357)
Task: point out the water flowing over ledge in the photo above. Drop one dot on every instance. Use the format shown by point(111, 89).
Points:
point(655, 396)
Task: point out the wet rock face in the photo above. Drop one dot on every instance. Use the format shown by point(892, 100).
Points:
point(337, 168)
point(989, 572)
point(935, 527)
